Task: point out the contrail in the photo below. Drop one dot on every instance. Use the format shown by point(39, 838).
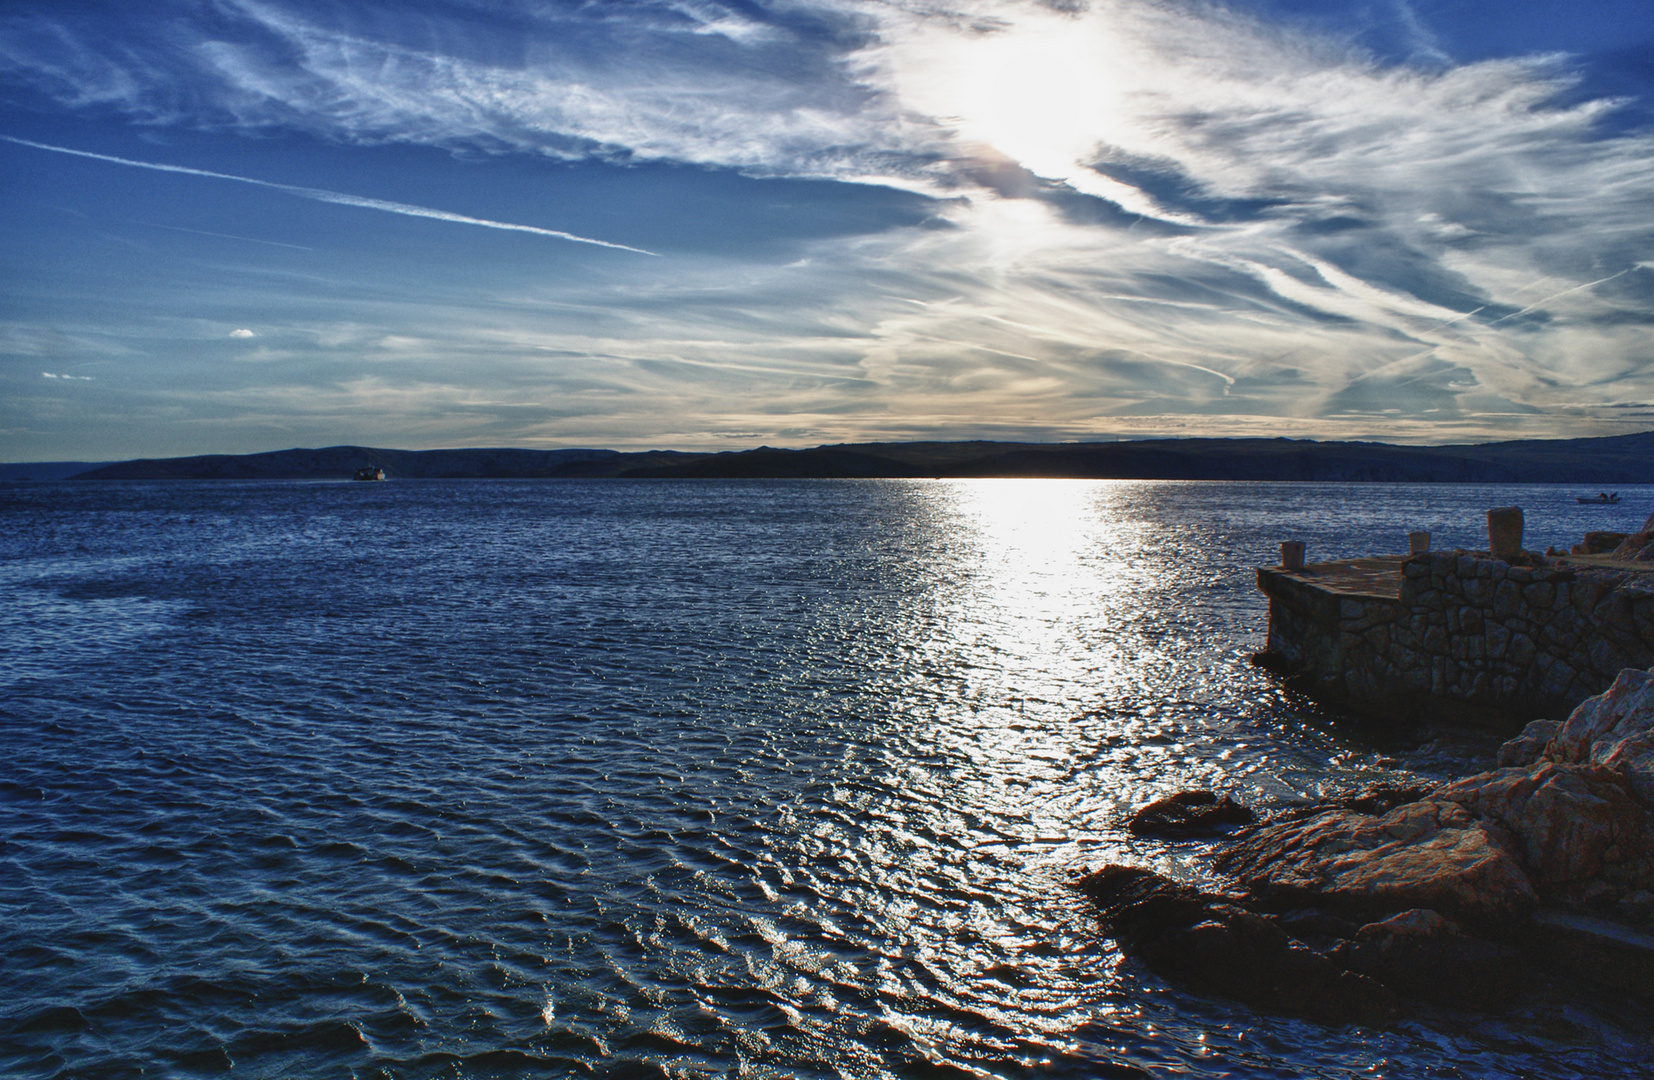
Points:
point(225, 235)
point(322, 195)
point(1564, 292)
point(1577, 288)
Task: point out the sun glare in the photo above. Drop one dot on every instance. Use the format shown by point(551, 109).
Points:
point(1046, 563)
point(1030, 527)
point(1044, 92)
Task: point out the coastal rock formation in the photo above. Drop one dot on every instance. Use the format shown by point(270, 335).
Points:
point(1421, 954)
point(1577, 827)
point(1338, 910)
point(1638, 547)
point(1529, 746)
point(1615, 730)
point(1600, 542)
point(1219, 947)
point(1429, 854)
point(1189, 813)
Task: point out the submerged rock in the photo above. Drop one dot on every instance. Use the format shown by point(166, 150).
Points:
point(1189, 813)
point(1135, 902)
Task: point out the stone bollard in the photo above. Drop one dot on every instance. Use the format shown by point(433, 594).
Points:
point(1292, 554)
point(1418, 542)
point(1504, 532)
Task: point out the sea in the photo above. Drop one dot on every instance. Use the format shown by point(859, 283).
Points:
point(761, 778)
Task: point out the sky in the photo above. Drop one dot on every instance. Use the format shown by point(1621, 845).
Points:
point(243, 225)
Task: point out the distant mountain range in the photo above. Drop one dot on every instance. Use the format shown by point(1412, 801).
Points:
point(45, 470)
point(1623, 459)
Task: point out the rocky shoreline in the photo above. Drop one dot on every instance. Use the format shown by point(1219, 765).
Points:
point(1464, 894)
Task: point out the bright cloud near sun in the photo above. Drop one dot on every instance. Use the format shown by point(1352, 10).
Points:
point(895, 220)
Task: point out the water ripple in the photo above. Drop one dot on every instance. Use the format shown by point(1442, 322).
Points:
point(760, 779)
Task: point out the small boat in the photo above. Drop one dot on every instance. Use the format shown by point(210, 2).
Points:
point(369, 472)
point(1601, 498)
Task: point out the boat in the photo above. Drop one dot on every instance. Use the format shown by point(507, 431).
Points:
point(1601, 498)
point(369, 472)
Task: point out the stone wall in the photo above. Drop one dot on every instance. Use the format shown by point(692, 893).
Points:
point(1462, 632)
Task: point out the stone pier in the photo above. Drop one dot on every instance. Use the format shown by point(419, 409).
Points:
point(1459, 632)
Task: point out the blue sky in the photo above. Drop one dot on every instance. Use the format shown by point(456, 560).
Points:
point(239, 225)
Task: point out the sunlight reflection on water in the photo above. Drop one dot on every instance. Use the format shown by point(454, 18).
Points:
point(777, 779)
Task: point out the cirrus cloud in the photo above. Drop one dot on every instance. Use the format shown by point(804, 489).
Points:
point(1158, 214)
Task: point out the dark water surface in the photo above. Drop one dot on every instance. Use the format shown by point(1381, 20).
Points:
point(767, 779)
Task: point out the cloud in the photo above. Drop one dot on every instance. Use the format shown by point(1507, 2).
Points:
point(707, 83)
point(73, 378)
point(1164, 214)
point(243, 333)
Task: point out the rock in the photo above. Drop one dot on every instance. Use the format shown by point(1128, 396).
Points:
point(1134, 902)
point(1380, 797)
point(1528, 747)
point(1636, 907)
point(1598, 894)
point(1568, 817)
point(1432, 853)
point(1245, 956)
point(1614, 729)
point(1570, 823)
point(1419, 953)
point(1615, 957)
point(1189, 813)
point(1317, 927)
point(1217, 947)
point(1634, 546)
point(1599, 542)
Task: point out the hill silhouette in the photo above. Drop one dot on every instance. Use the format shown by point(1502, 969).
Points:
point(1595, 462)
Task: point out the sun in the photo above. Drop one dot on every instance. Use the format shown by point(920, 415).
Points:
point(1044, 91)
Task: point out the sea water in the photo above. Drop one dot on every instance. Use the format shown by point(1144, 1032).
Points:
point(680, 778)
